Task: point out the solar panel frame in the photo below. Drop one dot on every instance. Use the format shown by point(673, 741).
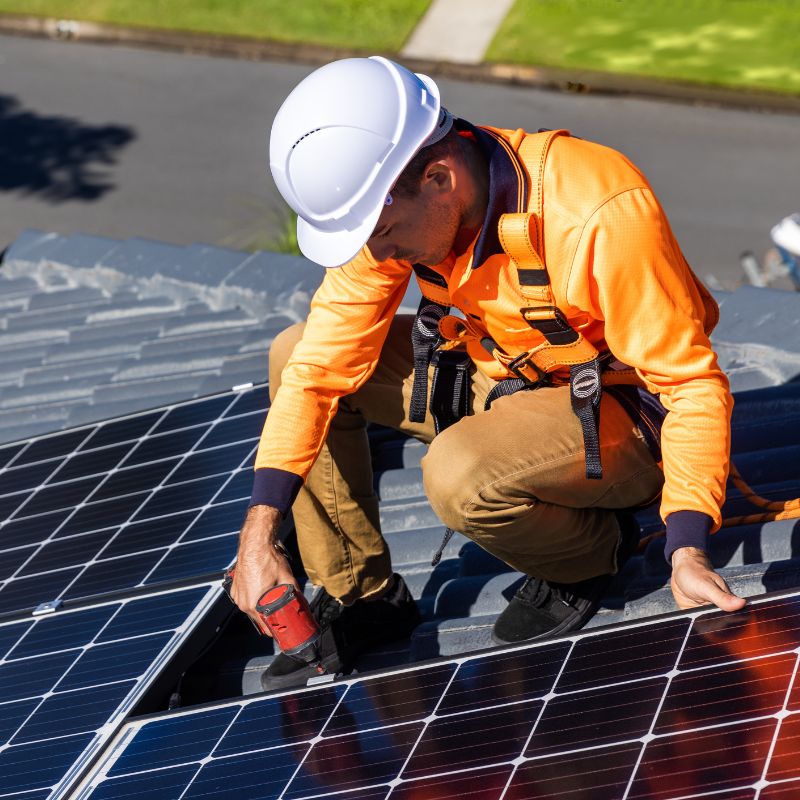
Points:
point(83, 642)
point(627, 759)
point(70, 544)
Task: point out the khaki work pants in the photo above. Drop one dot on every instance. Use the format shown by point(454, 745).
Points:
point(511, 478)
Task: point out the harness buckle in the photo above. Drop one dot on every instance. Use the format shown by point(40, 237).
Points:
point(521, 366)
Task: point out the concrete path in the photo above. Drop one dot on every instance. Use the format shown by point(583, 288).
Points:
point(459, 31)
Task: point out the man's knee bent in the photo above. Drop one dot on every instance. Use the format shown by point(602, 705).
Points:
point(279, 353)
point(449, 477)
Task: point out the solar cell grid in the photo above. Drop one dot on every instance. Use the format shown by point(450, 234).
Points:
point(67, 678)
point(693, 705)
point(108, 507)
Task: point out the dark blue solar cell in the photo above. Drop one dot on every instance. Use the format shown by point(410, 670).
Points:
point(9, 503)
point(239, 487)
point(238, 429)
point(256, 776)
point(181, 497)
point(19, 479)
point(175, 740)
point(390, 699)
point(196, 558)
point(194, 413)
point(137, 479)
point(53, 446)
point(96, 462)
point(32, 529)
point(255, 399)
point(34, 766)
point(280, 720)
point(74, 712)
point(473, 785)
point(600, 716)
point(66, 552)
point(759, 630)
point(160, 613)
point(114, 662)
point(13, 715)
point(591, 775)
point(147, 535)
point(479, 738)
point(123, 430)
point(218, 519)
point(372, 757)
point(12, 560)
point(25, 593)
point(9, 634)
point(211, 462)
point(504, 678)
point(19, 679)
point(155, 448)
point(61, 631)
point(624, 654)
point(60, 495)
point(7, 453)
point(113, 575)
point(107, 514)
point(165, 784)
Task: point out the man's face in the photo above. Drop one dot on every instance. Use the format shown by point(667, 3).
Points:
point(419, 228)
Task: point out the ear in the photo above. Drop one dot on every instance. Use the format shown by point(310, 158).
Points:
point(439, 177)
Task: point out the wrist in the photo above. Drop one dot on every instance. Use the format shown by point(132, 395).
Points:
point(683, 554)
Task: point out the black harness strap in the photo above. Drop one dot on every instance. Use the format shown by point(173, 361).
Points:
point(450, 390)
point(584, 384)
point(424, 340)
point(585, 392)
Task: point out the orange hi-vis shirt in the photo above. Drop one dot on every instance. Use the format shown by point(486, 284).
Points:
point(616, 272)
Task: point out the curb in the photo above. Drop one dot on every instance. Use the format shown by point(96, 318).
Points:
point(253, 49)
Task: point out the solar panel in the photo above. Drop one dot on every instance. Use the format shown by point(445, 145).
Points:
point(701, 704)
point(151, 498)
point(68, 679)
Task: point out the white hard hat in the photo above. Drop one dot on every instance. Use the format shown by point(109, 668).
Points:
point(340, 141)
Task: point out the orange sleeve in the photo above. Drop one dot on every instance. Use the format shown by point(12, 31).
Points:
point(629, 272)
point(347, 326)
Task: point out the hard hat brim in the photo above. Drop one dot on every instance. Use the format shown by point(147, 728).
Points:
point(334, 249)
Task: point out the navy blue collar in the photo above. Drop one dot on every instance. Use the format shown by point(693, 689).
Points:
point(508, 188)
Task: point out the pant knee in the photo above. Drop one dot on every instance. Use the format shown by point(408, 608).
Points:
point(280, 351)
point(448, 474)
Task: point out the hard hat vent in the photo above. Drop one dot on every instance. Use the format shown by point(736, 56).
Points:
point(304, 136)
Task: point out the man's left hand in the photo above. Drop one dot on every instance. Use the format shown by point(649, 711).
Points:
point(694, 582)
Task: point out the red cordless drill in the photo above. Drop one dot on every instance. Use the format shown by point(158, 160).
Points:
point(285, 613)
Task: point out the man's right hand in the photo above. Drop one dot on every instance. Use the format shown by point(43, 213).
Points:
point(259, 564)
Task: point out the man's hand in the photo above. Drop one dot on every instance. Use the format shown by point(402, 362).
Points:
point(694, 582)
point(259, 564)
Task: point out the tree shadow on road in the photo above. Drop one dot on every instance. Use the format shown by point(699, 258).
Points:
point(56, 159)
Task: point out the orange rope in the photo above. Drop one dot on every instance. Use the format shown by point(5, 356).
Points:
point(776, 509)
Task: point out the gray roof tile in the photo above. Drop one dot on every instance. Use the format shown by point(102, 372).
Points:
point(81, 250)
point(141, 258)
point(202, 321)
point(202, 263)
point(32, 246)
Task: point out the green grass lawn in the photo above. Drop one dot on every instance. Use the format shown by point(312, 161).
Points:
point(363, 24)
point(741, 43)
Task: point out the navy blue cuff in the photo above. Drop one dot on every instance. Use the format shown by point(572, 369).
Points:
point(687, 529)
point(275, 487)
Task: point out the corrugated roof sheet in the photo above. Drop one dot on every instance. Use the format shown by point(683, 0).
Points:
point(92, 328)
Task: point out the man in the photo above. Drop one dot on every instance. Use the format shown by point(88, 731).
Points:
point(563, 268)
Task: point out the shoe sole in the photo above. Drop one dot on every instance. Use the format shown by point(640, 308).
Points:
point(300, 677)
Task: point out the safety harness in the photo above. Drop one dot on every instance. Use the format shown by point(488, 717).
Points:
point(439, 338)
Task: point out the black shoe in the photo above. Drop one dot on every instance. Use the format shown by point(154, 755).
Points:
point(346, 633)
point(541, 609)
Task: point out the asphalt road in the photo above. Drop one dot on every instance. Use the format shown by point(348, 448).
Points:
point(123, 142)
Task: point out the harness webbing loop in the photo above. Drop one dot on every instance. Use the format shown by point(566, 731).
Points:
point(424, 340)
point(450, 389)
